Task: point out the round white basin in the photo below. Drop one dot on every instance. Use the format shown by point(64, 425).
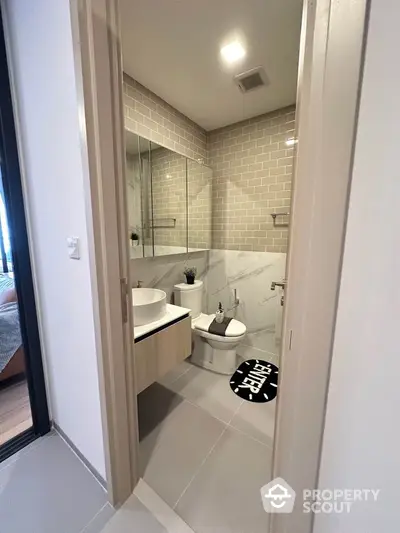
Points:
point(149, 305)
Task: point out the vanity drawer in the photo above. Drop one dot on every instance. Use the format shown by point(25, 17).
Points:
point(156, 355)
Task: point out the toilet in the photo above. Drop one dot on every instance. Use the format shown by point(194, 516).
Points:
point(216, 352)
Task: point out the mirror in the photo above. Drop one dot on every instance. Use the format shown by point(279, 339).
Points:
point(199, 185)
point(168, 173)
point(138, 178)
point(169, 200)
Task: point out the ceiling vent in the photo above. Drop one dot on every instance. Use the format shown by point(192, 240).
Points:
point(251, 79)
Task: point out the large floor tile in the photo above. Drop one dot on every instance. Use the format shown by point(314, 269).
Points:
point(256, 420)
point(97, 524)
point(48, 490)
point(156, 404)
point(169, 462)
point(225, 494)
point(209, 391)
point(159, 509)
point(133, 517)
point(177, 372)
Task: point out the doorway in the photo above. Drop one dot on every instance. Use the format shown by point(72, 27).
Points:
point(23, 407)
point(319, 51)
point(220, 142)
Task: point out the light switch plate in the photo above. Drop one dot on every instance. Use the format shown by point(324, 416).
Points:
point(73, 247)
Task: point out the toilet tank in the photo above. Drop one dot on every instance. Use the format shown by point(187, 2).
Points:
point(190, 296)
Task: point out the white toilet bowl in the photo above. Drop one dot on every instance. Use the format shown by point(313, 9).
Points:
point(211, 351)
point(216, 352)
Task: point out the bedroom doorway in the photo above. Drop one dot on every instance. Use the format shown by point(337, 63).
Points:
point(15, 408)
point(23, 406)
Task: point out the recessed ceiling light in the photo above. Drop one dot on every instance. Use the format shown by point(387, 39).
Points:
point(233, 51)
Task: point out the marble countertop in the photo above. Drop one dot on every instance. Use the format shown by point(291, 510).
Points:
point(174, 312)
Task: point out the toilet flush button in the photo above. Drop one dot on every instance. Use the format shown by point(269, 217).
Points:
point(73, 247)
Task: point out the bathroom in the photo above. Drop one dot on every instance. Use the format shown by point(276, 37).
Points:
point(209, 172)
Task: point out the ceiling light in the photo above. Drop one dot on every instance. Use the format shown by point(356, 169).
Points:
point(232, 52)
point(291, 142)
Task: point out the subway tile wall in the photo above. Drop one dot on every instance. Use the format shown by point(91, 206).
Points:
point(252, 174)
point(176, 178)
point(169, 197)
point(151, 117)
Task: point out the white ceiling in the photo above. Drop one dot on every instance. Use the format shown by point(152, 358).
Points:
point(172, 47)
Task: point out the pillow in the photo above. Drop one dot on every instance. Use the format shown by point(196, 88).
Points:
point(8, 296)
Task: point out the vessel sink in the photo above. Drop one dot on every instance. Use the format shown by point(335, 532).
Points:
point(149, 305)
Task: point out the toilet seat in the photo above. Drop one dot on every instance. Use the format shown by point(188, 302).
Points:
point(235, 332)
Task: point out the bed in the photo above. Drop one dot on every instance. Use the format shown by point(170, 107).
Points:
point(12, 360)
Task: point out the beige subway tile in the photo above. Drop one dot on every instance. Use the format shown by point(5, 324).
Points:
point(285, 162)
point(269, 148)
point(263, 141)
point(277, 171)
point(255, 166)
point(142, 109)
point(250, 145)
point(254, 182)
point(276, 187)
point(257, 135)
point(261, 158)
point(249, 160)
point(266, 241)
point(283, 194)
point(276, 203)
point(278, 154)
point(267, 165)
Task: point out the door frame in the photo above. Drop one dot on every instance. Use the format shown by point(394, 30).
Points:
point(13, 196)
point(330, 77)
point(331, 58)
point(98, 66)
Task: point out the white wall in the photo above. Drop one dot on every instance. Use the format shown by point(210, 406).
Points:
point(44, 76)
point(362, 435)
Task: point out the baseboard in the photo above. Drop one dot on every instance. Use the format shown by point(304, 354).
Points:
point(82, 458)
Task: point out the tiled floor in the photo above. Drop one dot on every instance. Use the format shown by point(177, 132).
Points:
point(45, 488)
point(15, 410)
point(205, 451)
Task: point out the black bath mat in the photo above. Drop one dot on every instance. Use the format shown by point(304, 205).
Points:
point(255, 381)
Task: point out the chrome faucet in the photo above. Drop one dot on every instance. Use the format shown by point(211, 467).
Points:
point(139, 284)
